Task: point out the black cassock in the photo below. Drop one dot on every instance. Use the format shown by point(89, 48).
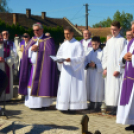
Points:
point(3, 81)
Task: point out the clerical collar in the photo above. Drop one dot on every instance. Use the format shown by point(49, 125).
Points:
point(88, 39)
point(40, 37)
point(117, 36)
point(96, 49)
point(5, 39)
point(71, 40)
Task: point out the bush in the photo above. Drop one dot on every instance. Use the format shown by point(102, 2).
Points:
point(103, 39)
point(56, 32)
point(79, 38)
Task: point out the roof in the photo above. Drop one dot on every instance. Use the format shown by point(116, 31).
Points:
point(99, 31)
point(28, 22)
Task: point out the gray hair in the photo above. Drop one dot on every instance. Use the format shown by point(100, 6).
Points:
point(4, 31)
point(38, 24)
point(132, 22)
point(87, 30)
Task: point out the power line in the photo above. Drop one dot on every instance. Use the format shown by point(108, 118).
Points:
point(78, 17)
point(77, 12)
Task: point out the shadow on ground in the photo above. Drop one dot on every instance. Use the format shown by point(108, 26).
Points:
point(11, 114)
point(34, 129)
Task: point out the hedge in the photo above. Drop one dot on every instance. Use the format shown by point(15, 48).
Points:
point(56, 32)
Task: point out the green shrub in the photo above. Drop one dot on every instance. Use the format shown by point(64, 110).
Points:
point(56, 32)
point(78, 38)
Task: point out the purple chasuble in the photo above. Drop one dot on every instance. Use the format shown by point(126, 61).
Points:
point(45, 79)
point(128, 80)
point(89, 44)
point(7, 68)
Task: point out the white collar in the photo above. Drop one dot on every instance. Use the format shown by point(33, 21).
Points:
point(40, 37)
point(87, 39)
point(73, 39)
point(117, 36)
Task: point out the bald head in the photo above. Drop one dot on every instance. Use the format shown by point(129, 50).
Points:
point(86, 34)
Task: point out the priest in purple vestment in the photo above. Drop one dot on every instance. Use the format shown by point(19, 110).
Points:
point(7, 56)
point(22, 45)
point(125, 113)
point(38, 73)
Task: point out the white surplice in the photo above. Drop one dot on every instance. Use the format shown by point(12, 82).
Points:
point(72, 93)
point(95, 81)
point(9, 60)
point(87, 49)
point(85, 44)
point(31, 101)
point(111, 55)
point(125, 113)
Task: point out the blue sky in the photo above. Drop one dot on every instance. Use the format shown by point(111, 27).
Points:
point(73, 9)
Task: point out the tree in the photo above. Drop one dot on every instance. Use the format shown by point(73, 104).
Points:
point(3, 6)
point(123, 18)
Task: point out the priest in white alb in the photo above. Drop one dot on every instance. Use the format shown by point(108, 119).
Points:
point(95, 81)
point(111, 55)
point(129, 37)
point(125, 113)
point(87, 46)
point(72, 93)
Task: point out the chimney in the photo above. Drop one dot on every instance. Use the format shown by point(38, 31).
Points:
point(76, 25)
point(28, 13)
point(43, 15)
point(15, 18)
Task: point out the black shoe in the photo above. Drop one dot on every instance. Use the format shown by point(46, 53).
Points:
point(129, 128)
point(91, 105)
point(113, 112)
point(97, 109)
point(97, 106)
point(72, 111)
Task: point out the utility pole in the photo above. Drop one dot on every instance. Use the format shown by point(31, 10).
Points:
point(86, 14)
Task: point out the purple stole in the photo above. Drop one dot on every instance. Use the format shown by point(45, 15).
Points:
point(128, 80)
point(22, 43)
point(7, 69)
point(45, 79)
point(89, 44)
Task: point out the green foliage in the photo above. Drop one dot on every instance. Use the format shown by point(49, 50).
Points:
point(123, 18)
point(104, 23)
point(4, 7)
point(103, 39)
point(78, 38)
point(56, 32)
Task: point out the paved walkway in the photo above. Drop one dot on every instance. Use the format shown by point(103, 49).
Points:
point(23, 120)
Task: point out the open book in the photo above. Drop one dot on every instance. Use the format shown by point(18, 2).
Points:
point(57, 59)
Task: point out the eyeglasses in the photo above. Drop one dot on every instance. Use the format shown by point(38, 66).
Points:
point(36, 30)
point(128, 34)
point(25, 36)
